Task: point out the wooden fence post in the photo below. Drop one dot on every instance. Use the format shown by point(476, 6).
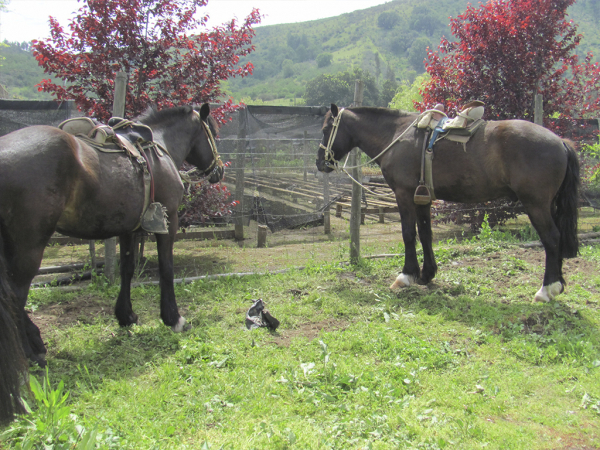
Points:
point(355, 214)
point(262, 236)
point(239, 175)
point(110, 245)
point(326, 211)
point(304, 149)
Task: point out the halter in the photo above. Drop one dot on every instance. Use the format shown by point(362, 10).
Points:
point(216, 162)
point(329, 158)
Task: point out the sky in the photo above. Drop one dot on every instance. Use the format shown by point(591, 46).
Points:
point(28, 19)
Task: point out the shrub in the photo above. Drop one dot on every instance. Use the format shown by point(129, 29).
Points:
point(203, 202)
point(324, 59)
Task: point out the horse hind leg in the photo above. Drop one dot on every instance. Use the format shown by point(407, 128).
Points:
point(426, 237)
point(123, 308)
point(553, 283)
point(31, 338)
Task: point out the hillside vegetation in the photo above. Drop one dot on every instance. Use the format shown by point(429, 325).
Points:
point(389, 41)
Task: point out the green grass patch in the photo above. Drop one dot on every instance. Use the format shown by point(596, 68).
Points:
point(465, 362)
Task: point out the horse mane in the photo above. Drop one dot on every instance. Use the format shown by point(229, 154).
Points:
point(153, 116)
point(379, 112)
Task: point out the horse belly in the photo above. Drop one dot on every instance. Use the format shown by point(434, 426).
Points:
point(109, 207)
point(474, 176)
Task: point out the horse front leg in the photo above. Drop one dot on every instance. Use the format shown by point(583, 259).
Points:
point(168, 306)
point(426, 237)
point(123, 308)
point(410, 272)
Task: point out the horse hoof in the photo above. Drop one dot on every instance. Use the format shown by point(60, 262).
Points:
point(548, 293)
point(132, 319)
point(181, 326)
point(403, 280)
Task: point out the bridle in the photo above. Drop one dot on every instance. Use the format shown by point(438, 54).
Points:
point(216, 163)
point(329, 157)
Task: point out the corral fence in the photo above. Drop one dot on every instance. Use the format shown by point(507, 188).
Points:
point(282, 198)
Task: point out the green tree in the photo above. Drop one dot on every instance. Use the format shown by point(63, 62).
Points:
point(418, 53)
point(388, 20)
point(339, 89)
point(287, 68)
point(388, 91)
point(401, 40)
point(324, 59)
point(422, 19)
point(325, 89)
point(409, 94)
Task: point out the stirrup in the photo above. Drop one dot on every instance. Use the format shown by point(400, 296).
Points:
point(422, 195)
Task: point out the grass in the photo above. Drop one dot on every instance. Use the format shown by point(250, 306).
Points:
point(465, 362)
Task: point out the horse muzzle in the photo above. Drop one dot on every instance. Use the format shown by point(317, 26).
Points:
point(325, 166)
point(216, 175)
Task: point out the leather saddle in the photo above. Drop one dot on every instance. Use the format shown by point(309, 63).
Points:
point(121, 135)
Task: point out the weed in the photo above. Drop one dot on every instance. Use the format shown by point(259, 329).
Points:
point(51, 425)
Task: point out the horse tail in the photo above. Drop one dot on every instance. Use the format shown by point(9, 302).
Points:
point(13, 364)
point(567, 202)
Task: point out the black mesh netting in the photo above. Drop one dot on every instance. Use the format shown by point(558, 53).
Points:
point(17, 114)
point(272, 153)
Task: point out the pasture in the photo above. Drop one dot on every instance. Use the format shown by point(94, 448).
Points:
point(466, 362)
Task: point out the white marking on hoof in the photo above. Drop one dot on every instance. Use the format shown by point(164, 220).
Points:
point(180, 325)
point(548, 293)
point(403, 280)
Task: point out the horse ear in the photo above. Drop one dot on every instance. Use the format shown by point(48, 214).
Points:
point(334, 110)
point(204, 111)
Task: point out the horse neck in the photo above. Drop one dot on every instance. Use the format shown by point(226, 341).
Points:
point(177, 139)
point(372, 129)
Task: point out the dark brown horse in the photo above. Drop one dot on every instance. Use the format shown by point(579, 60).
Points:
point(509, 158)
point(50, 181)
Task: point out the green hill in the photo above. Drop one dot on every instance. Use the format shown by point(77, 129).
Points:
point(388, 41)
point(19, 72)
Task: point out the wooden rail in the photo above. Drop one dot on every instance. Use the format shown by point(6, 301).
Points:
point(190, 235)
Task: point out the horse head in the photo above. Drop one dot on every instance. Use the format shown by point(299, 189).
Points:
point(334, 144)
point(204, 153)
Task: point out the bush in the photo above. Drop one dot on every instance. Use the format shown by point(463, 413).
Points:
point(496, 212)
point(204, 202)
point(324, 60)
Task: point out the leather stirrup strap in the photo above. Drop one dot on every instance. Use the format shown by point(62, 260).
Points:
point(425, 139)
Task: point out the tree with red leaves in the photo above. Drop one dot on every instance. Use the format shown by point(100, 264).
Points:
point(505, 52)
point(158, 43)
